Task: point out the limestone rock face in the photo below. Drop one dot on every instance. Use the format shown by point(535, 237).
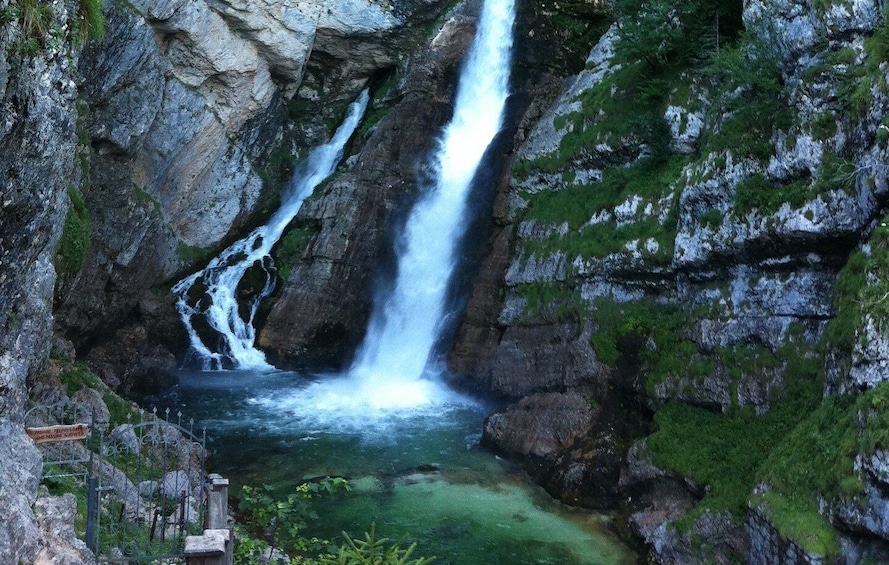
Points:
point(192, 111)
point(530, 359)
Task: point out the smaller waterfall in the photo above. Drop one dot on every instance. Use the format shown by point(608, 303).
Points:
point(217, 305)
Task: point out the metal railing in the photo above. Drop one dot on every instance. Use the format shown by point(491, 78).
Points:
point(145, 480)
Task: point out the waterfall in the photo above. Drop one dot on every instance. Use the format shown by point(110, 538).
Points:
point(216, 302)
point(407, 324)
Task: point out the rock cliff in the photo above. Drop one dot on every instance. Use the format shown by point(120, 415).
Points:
point(693, 231)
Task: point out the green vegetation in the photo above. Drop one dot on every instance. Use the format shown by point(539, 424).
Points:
point(652, 181)
point(280, 518)
point(712, 218)
point(275, 172)
point(275, 519)
point(804, 448)
point(290, 248)
point(801, 522)
point(759, 193)
point(836, 174)
point(75, 241)
point(36, 22)
point(90, 19)
point(730, 452)
point(373, 551)
point(658, 43)
point(857, 294)
point(378, 108)
point(748, 87)
point(59, 482)
point(816, 460)
point(34, 18)
point(552, 300)
point(75, 376)
point(195, 255)
point(626, 326)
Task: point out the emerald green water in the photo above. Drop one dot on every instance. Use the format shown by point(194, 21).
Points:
point(414, 471)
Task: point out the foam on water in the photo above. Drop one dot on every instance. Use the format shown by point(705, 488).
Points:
point(345, 404)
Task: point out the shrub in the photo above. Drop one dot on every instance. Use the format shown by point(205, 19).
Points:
point(373, 551)
point(748, 87)
point(280, 519)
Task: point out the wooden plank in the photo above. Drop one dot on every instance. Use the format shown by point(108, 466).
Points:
point(58, 433)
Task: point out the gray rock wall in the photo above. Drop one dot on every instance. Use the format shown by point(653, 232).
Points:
point(37, 165)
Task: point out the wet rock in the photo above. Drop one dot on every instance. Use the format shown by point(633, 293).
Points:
point(541, 425)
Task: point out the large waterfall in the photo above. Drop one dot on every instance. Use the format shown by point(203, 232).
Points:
point(216, 301)
point(407, 324)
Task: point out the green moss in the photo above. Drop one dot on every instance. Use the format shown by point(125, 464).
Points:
point(558, 302)
point(666, 351)
point(277, 169)
point(576, 204)
point(816, 460)
point(800, 521)
point(75, 242)
point(627, 106)
point(727, 451)
point(840, 332)
point(855, 297)
point(194, 255)
point(290, 248)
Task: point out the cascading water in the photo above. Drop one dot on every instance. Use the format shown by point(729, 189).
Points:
point(218, 305)
point(403, 332)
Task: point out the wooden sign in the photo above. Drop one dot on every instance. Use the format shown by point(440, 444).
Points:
point(58, 433)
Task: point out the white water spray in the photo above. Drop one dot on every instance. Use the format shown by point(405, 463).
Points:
point(397, 351)
point(218, 305)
